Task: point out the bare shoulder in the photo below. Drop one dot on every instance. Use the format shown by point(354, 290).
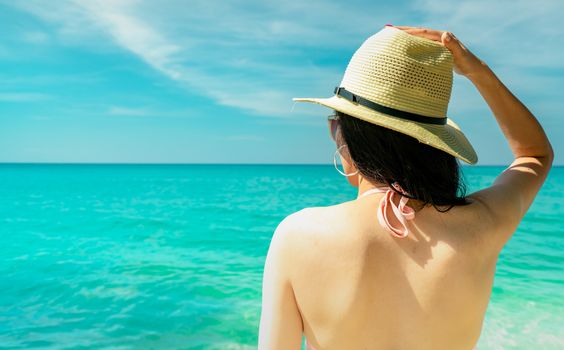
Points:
point(295, 223)
point(306, 222)
point(293, 228)
point(305, 231)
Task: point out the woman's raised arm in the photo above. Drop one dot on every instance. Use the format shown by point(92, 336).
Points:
point(514, 190)
point(505, 202)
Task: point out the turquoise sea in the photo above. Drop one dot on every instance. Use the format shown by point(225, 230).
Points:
point(171, 256)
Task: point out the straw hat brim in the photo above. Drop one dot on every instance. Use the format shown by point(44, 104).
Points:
point(448, 138)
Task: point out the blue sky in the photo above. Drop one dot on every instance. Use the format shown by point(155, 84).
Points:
point(212, 81)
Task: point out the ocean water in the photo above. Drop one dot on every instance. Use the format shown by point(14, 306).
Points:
point(171, 256)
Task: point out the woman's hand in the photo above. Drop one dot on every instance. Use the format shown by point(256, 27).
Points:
point(465, 62)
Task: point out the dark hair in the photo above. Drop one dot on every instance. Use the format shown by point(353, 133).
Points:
point(383, 155)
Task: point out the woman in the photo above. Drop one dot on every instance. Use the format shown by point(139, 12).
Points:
point(408, 264)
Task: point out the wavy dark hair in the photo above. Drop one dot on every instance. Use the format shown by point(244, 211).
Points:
point(383, 155)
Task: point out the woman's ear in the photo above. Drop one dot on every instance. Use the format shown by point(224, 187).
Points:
point(348, 166)
point(354, 180)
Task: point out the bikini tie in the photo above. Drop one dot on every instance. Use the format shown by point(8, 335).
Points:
point(401, 211)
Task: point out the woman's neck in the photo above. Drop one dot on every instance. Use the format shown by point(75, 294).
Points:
point(364, 185)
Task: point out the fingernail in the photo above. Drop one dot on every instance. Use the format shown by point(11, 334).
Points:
point(447, 37)
point(388, 25)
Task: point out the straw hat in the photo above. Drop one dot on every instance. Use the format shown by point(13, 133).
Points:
point(402, 82)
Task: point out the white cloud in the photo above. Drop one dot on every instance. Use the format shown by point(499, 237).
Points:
point(23, 96)
point(258, 56)
point(508, 33)
point(35, 37)
point(133, 34)
point(244, 137)
point(128, 111)
point(257, 85)
point(48, 80)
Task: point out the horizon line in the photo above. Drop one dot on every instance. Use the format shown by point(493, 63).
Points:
point(135, 163)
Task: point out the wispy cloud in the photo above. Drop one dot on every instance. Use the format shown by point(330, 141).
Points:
point(35, 37)
point(511, 33)
point(23, 96)
point(257, 58)
point(146, 111)
point(246, 82)
point(128, 111)
point(244, 137)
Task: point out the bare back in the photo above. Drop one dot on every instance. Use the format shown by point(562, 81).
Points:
point(358, 287)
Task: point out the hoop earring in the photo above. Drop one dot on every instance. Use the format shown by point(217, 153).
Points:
point(335, 163)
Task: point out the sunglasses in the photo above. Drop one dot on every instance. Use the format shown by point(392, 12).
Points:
point(333, 122)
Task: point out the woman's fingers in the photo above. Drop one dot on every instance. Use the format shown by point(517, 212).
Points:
point(404, 27)
point(451, 42)
point(432, 34)
point(426, 33)
point(465, 62)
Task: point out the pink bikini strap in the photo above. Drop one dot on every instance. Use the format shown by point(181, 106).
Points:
point(401, 211)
